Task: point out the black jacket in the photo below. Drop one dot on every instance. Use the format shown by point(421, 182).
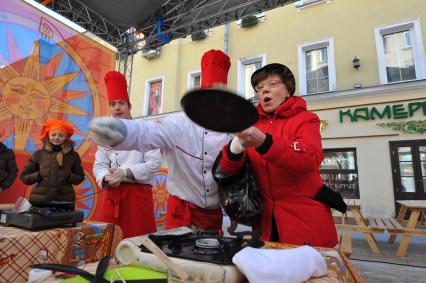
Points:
point(8, 168)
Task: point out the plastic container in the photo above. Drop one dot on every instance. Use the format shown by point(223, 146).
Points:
point(37, 274)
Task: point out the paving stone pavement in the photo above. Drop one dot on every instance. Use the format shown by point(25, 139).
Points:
point(387, 267)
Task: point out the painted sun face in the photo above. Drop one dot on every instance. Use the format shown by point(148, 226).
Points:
point(31, 94)
point(26, 98)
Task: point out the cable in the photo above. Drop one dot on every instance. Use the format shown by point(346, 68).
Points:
point(92, 194)
point(386, 262)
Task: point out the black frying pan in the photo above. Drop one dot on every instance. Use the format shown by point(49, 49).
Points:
point(219, 110)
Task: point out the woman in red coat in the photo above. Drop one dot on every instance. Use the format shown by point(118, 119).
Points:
point(285, 149)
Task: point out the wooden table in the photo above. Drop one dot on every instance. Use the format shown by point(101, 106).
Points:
point(339, 268)
point(361, 226)
point(415, 207)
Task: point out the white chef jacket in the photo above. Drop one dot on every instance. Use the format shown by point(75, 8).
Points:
point(190, 152)
point(142, 165)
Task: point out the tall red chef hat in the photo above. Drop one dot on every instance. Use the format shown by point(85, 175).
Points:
point(116, 86)
point(214, 68)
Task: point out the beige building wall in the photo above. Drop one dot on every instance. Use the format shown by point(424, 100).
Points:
point(349, 23)
point(176, 60)
point(350, 26)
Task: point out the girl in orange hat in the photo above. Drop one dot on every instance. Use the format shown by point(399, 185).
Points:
point(56, 167)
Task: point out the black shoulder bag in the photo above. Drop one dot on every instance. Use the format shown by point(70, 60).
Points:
point(239, 195)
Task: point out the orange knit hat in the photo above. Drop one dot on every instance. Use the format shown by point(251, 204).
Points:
point(50, 125)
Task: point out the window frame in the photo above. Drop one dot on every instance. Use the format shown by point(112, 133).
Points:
point(345, 171)
point(301, 54)
point(190, 78)
point(241, 62)
point(417, 44)
point(147, 89)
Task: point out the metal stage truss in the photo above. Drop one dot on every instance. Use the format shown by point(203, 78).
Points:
point(153, 23)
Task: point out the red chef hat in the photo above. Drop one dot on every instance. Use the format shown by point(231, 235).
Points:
point(50, 125)
point(116, 86)
point(214, 68)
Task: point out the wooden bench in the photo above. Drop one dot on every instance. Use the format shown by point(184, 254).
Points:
point(345, 244)
point(415, 208)
point(369, 226)
point(390, 224)
point(394, 227)
point(363, 226)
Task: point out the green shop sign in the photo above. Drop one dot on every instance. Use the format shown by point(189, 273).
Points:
point(396, 111)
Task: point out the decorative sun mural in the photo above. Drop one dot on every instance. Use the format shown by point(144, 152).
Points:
point(32, 94)
point(160, 196)
point(46, 73)
point(85, 195)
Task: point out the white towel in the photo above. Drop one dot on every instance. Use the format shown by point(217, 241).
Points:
point(280, 266)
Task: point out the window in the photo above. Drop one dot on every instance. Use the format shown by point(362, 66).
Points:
point(316, 70)
point(408, 159)
point(407, 39)
point(340, 172)
point(194, 79)
point(400, 52)
point(154, 89)
point(399, 59)
point(316, 67)
point(246, 67)
point(249, 69)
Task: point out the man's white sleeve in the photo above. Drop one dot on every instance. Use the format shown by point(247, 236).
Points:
point(143, 172)
point(101, 165)
point(148, 135)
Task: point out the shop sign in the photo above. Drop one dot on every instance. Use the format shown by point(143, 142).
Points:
point(396, 111)
point(347, 188)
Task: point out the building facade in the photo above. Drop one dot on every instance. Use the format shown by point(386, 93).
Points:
point(360, 65)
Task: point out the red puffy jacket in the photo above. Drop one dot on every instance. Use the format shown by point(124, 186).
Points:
point(289, 178)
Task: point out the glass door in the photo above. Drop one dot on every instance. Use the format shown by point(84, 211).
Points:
point(409, 169)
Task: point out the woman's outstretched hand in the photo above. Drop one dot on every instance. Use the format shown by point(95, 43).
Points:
point(251, 137)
